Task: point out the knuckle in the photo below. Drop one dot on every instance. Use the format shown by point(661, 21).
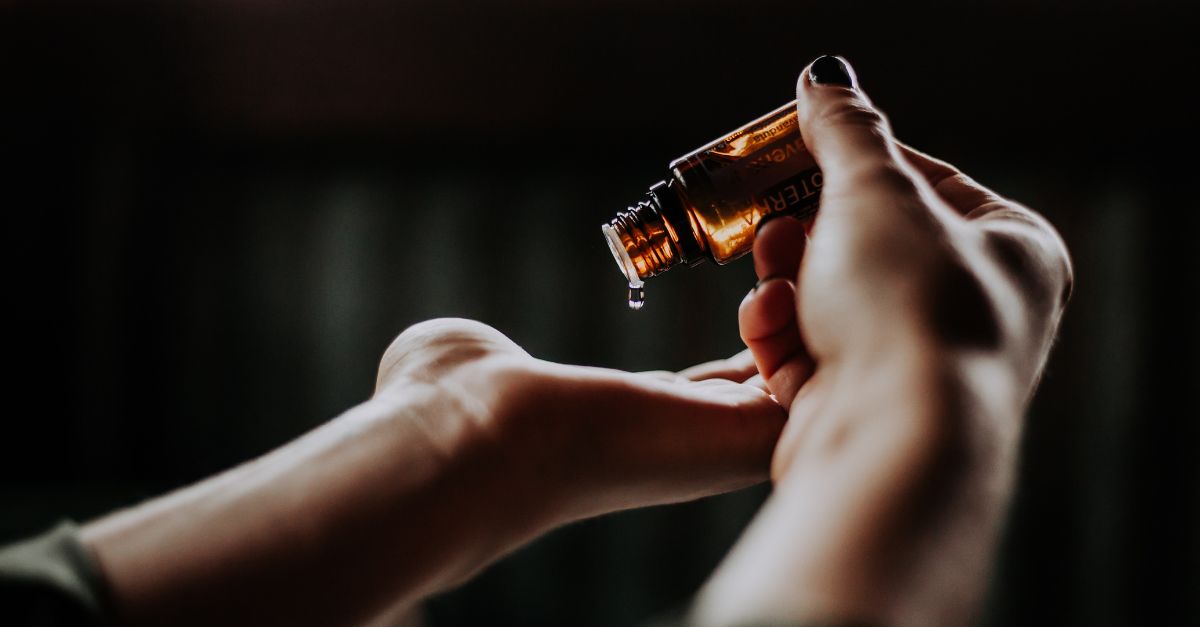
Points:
point(429, 348)
point(422, 334)
point(869, 126)
point(883, 211)
point(439, 329)
point(958, 179)
point(1027, 246)
point(967, 197)
point(1035, 260)
point(855, 112)
point(962, 311)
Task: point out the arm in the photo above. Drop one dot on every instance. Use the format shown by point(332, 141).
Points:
point(468, 448)
point(906, 333)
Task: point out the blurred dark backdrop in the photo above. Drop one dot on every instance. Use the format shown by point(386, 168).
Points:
point(219, 212)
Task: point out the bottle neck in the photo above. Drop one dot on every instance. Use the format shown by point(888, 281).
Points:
point(641, 241)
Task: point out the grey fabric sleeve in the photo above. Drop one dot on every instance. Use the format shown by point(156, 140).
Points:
point(51, 579)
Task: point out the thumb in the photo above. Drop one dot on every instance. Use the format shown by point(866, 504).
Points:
point(850, 139)
point(878, 217)
point(768, 317)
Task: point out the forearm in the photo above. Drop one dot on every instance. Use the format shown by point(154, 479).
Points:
point(887, 519)
point(373, 508)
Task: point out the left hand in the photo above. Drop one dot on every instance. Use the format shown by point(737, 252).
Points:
point(582, 441)
point(906, 331)
point(468, 448)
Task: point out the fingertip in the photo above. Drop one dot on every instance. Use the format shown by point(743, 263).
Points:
point(768, 326)
point(768, 309)
point(779, 247)
point(842, 130)
point(735, 368)
point(828, 70)
point(768, 323)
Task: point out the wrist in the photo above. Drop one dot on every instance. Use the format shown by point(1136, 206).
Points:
point(478, 422)
point(921, 450)
point(398, 498)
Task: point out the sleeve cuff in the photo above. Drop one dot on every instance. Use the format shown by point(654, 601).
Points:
point(52, 579)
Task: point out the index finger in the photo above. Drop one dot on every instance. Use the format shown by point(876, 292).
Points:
point(963, 193)
point(959, 190)
point(736, 368)
point(1026, 242)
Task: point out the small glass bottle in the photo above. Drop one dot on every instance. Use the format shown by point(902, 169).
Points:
point(715, 199)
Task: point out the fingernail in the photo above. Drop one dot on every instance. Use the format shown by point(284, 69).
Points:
point(828, 70)
point(765, 280)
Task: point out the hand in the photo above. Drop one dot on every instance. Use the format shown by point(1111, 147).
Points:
point(906, 333)
point(908, 255)
point(581, 441)
point(468, 448)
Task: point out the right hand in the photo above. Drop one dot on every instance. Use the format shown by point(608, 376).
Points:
point(908, 258)
point(905, 334)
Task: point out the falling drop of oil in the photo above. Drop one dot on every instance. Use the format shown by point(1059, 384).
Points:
point(637, 295)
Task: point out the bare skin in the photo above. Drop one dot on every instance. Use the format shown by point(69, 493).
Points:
point(906, 333)
point(469, 448)
point(899, 342)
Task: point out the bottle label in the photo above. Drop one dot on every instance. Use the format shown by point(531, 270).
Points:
point(759, 170)
point(797, 195)
point(756, 140)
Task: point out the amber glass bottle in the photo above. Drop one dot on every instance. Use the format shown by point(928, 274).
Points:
point(716, 197)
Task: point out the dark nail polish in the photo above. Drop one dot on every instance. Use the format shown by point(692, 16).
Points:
point(829, 70)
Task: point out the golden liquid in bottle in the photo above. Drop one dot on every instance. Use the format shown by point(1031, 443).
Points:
point(730, 185)
point(716, 197)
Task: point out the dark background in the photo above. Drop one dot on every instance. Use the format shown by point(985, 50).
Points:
point(219, 212)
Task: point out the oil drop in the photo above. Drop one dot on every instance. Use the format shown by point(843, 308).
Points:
point(637, 295)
